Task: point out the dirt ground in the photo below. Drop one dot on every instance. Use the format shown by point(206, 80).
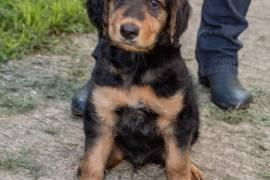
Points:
point(39, 139)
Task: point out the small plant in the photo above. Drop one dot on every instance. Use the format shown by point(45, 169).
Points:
point(22, 159)
point(230, 116)
point(50, 130)
point(264, 175)
point(17, 104)
point(58, 88)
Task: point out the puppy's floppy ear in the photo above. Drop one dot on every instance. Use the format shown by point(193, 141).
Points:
point(98, 14)
point(180, 12)
point(105, 17)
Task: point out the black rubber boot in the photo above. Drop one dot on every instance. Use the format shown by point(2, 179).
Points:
point(79, 100)
point(226, 91)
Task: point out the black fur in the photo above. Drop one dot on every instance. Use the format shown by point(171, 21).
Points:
point(139, 125)
point(136, 131)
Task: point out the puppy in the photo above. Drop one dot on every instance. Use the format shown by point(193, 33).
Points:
point(141, 106)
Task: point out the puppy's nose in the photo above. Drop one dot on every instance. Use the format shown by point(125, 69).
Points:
point(129, 31)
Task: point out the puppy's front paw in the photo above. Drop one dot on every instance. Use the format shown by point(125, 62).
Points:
point(85, 173)
point(196, 174)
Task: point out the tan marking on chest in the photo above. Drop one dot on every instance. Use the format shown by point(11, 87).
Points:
point(107, 100)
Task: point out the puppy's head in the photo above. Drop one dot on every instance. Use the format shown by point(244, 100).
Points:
point(137, 25)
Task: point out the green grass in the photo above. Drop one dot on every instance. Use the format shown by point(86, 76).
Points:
point(260, 107)
point(59, 88)
point(56, 87)
point(20, 100)
point(17, 104)
point(49, 130)
point(264, 175)
point(26, 25)
point(231, 116)
point(22, 159)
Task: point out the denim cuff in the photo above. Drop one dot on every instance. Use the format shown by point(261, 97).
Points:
point(218, 69)
point(217, 65)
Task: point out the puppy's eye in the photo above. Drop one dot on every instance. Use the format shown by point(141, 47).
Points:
point(119, 1)
point(154, 4)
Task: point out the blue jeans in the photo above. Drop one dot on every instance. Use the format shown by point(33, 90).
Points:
point(217, 44)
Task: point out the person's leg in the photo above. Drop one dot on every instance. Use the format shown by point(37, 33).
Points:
point(217, 46)
point(217, 49)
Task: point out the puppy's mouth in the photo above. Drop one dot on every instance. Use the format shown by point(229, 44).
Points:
point(132, 45)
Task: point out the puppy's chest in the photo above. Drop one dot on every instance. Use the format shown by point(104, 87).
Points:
point(108, 100)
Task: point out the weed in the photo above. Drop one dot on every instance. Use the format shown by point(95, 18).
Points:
point(58, 87)
point(261, 106)
point(17, 104)
point(50, 130)
point(231, 116)
point(77, 73)
point(22, 159)
point(264, 174)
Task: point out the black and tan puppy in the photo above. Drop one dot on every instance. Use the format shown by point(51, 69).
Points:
point(141, 104)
